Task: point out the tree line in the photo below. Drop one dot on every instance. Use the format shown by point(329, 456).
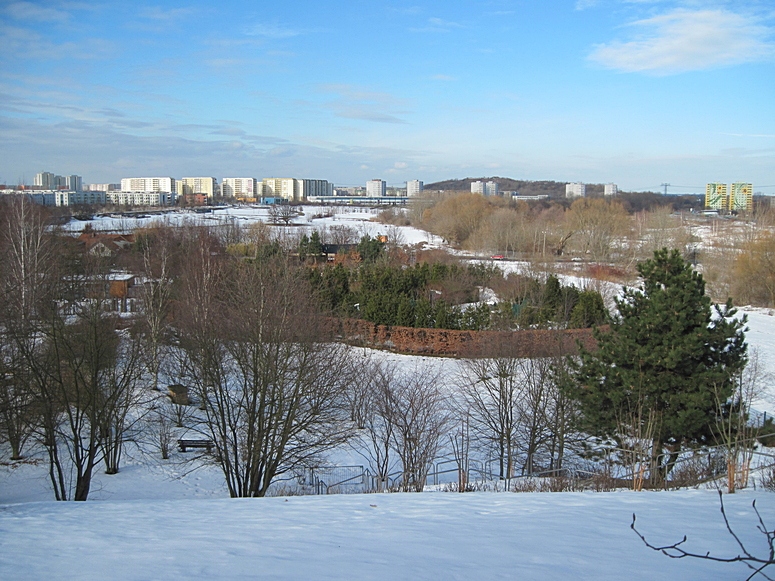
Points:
point(275, 393)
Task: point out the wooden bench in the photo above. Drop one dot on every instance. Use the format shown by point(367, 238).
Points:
point(183, 444)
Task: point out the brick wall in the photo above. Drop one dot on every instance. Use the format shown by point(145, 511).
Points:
point(529, 343)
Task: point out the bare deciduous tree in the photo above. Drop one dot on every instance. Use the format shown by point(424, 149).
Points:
point(420, 416)
point(371, 412)
point(490, 392)
point(274, 391)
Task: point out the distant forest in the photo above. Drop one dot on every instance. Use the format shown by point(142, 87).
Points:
point(632, 201)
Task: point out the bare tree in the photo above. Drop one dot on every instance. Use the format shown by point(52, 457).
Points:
point(156, 301)
point(274, 391)
point(420, 417)
point(27, 253)
point(121, 396)
point(371, 413)
point(734, 430)
point(535, 380)
point(489, 390)
point(755, 563)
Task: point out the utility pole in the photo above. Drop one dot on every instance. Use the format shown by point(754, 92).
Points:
point(665, 186)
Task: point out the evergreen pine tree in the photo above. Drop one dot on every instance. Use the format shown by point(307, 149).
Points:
point(669, 351)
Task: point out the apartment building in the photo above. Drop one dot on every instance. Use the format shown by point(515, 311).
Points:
point(414, 188)
point(376, 188)
point(575, 190)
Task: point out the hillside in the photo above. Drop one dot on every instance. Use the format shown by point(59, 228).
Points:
point(524, 187)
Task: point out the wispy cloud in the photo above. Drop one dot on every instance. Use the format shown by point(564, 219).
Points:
point(684, 40)
point(33, 12)
point(438, 25)
point(22, 43)
point(352, 103)
point(165, 15)
point(584, 4)
point(272, 30)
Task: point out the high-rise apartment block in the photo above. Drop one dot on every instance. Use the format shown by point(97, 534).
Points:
point(314, 188)
point(741, 197)
point(45, 180)
point(491, 188)
point(610, 190)
point(716, 196)
point(239, 188)
point(376, 188)
point(49, 181)
point(140, 198)
point(285, 188)
point(575, 190)
point(206, 186)
point(477, 187)
point(414, 188)
point(166, 185)
point(102, 187)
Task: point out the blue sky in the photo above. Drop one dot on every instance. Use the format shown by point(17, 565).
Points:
point(638, 92)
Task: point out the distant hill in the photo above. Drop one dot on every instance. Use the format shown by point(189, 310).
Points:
point(523, 187)
point(633, 201)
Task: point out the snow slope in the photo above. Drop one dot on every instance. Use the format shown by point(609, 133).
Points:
point(581, 536)
point(170, 520)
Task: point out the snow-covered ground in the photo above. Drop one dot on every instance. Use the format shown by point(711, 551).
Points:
point(172, 519)
point(538, 536)
point(311, 217)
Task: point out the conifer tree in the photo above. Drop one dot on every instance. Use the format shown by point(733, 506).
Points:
point(668, 352)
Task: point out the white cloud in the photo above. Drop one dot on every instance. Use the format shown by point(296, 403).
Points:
point(354, 103)
point(684, 40)
point(438, 25)
point(584, 4)
point(168, 15)
point(29, 11)
point(269, 30)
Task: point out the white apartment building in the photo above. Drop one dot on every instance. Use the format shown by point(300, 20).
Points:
point(313, 188)
point(60, 197)
point(166, 185)
point(202, 185)
point(239, 188)
point(74, 183)
point(139, 198)
point(102, 187)
point(75, 198)
point(41, 198)
point(414, 188)
point(285, 188)
point(610, 189)
point(575, 190)
point(477, 187)
point(50, 181)
point(376, 188)
point(491, 189)
point(46, 180)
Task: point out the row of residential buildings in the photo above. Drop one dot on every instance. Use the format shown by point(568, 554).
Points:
point(737, 198)
point(579, 190)
point(53, 190)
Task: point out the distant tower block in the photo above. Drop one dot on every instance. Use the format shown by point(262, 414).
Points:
point(376, 188)
point(741, 197)
point(610, 190)
point(414, 188)
point(478, 187)
point(716, 196)
point(575, 190)
point(491, 189)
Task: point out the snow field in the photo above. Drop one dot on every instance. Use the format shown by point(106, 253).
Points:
point(583, 536)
